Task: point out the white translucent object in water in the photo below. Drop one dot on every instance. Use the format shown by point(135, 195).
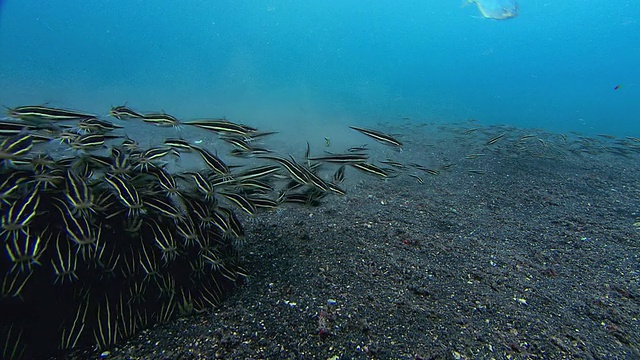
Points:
point(497, 9)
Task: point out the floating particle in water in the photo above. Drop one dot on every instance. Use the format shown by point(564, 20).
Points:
point(497, 9)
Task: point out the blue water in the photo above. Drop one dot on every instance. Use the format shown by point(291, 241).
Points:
point(554, 66)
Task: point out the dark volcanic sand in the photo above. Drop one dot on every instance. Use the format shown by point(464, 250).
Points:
point(535, 258)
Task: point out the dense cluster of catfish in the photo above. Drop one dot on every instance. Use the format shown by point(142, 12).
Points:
point(102, 240)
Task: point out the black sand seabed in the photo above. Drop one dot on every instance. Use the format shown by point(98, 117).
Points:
point(538, 257)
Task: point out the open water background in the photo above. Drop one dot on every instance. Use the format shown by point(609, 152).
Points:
point(285, 64)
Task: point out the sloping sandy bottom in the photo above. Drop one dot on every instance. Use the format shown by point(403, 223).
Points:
point(536, 257)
